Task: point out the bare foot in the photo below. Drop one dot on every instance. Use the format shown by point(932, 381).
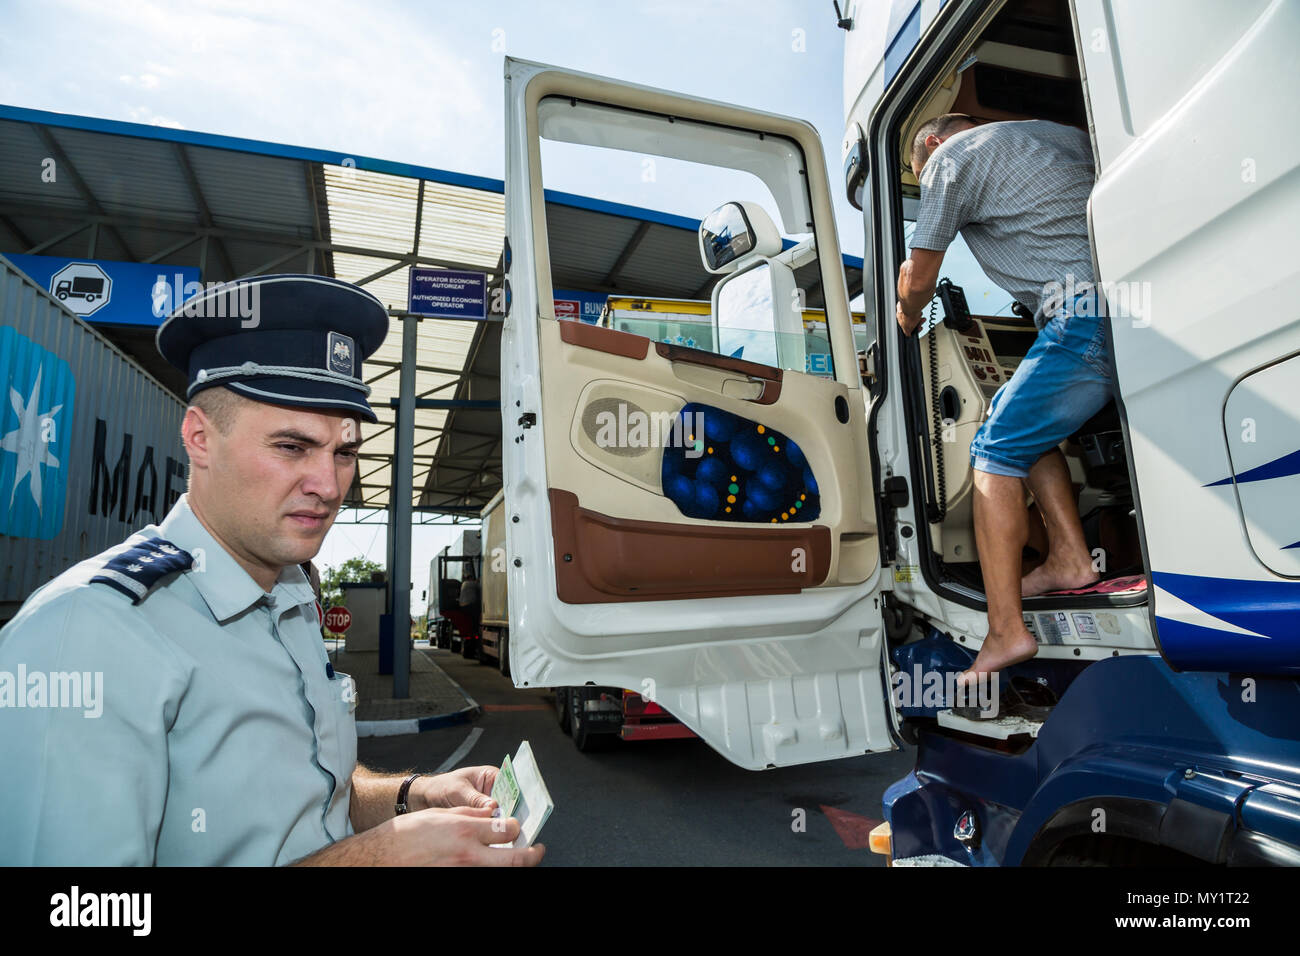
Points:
point(999, 650)
point(1057, 576)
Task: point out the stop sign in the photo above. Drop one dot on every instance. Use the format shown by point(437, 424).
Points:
point(338, 620)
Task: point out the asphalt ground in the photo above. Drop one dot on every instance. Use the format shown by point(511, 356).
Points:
point(655, 803)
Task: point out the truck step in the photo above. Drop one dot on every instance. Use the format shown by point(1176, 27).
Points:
point(997, 728)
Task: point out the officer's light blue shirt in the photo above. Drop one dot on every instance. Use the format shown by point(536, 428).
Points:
point(222, 737)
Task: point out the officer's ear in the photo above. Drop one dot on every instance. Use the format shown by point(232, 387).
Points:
point(197, 432)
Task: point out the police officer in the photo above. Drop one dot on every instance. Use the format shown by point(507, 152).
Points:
point(211, 728)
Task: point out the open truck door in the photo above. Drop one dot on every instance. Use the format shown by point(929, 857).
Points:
point(697, 526)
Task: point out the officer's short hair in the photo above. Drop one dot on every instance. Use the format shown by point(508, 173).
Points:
point(221, 406)
point(939, 126)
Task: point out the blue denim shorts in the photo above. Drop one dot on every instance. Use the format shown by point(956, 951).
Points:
point(1062, 382)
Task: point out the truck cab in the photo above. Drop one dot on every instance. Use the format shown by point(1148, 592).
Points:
point(781, 552)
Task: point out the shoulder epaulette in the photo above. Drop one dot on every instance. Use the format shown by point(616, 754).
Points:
point(134, 572)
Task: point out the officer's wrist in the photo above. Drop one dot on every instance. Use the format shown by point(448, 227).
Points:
point(410, 795)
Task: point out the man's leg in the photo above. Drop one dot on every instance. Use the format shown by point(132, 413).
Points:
point(1069, 563)
point(1001, 528)
point(1059, 384)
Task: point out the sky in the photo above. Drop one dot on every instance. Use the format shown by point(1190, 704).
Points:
point(420, 83)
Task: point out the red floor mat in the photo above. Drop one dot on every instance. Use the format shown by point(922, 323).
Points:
point(1132, 584)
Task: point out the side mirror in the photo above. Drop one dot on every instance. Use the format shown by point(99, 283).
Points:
point(725, 235)
point(735, 232)
point(757, 316)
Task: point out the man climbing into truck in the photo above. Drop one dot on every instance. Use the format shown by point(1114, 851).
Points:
point(1018, 194)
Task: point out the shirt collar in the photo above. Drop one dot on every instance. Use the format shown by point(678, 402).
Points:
point(226, 587)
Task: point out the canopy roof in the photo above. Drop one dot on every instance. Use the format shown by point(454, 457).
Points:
point(236, 207)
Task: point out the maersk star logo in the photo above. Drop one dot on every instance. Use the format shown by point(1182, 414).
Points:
point(31, 440)
point(36, 423)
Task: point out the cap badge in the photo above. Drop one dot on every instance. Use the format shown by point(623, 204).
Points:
point(340, 354)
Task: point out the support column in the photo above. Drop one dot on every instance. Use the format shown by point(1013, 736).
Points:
point(403, 480)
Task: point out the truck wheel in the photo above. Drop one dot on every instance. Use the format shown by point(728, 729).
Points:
point(562, 707)
point(503, 650)
point(580, 726)
point(468, 648)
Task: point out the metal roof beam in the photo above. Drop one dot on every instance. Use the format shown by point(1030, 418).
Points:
point(21, 236)
point(62, 159)
point(278, 260)
point(419, 368)
point(298, 242)
point(174, 247)
point(34, 250)
point(627, 253)
point(205, 214)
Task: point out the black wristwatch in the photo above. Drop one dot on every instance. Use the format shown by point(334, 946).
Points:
point(403, 791)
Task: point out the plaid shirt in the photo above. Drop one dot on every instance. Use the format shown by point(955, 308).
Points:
point(1018, 193)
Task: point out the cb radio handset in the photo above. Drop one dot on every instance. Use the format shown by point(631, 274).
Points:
point(956, 313)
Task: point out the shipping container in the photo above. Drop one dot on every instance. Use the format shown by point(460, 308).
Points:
point(90, 443)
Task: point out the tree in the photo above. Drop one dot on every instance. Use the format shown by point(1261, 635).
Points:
point(353, 569)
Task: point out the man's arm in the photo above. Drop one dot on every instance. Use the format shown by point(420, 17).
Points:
point(917, 279)
point(374, 795)
point(459, 836)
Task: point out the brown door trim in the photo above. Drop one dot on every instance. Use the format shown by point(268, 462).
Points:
point(611, 341)
point(601, 559)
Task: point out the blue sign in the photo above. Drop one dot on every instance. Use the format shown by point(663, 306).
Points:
point(585, 306)
point(112, 293)
point(447, 294)
point(35, 437)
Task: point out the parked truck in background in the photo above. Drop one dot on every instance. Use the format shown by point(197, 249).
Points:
point(798, 576)
point(450, 626)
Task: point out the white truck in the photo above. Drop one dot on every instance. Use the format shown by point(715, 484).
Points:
point(779, 577)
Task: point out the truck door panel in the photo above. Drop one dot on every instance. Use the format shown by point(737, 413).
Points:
point(752, 615)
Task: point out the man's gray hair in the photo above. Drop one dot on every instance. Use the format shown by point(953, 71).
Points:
point(939, 126)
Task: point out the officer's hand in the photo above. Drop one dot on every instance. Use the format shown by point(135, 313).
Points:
point(466, 787)
point(459, 836)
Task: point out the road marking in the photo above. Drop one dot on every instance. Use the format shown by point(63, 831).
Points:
point(514, 707)
point(462, 751)
point(853, 829)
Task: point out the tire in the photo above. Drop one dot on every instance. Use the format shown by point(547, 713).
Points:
point(63, 297)
point(469, 648)
point(580, 727)
point(503, 649)
point(562, 707)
